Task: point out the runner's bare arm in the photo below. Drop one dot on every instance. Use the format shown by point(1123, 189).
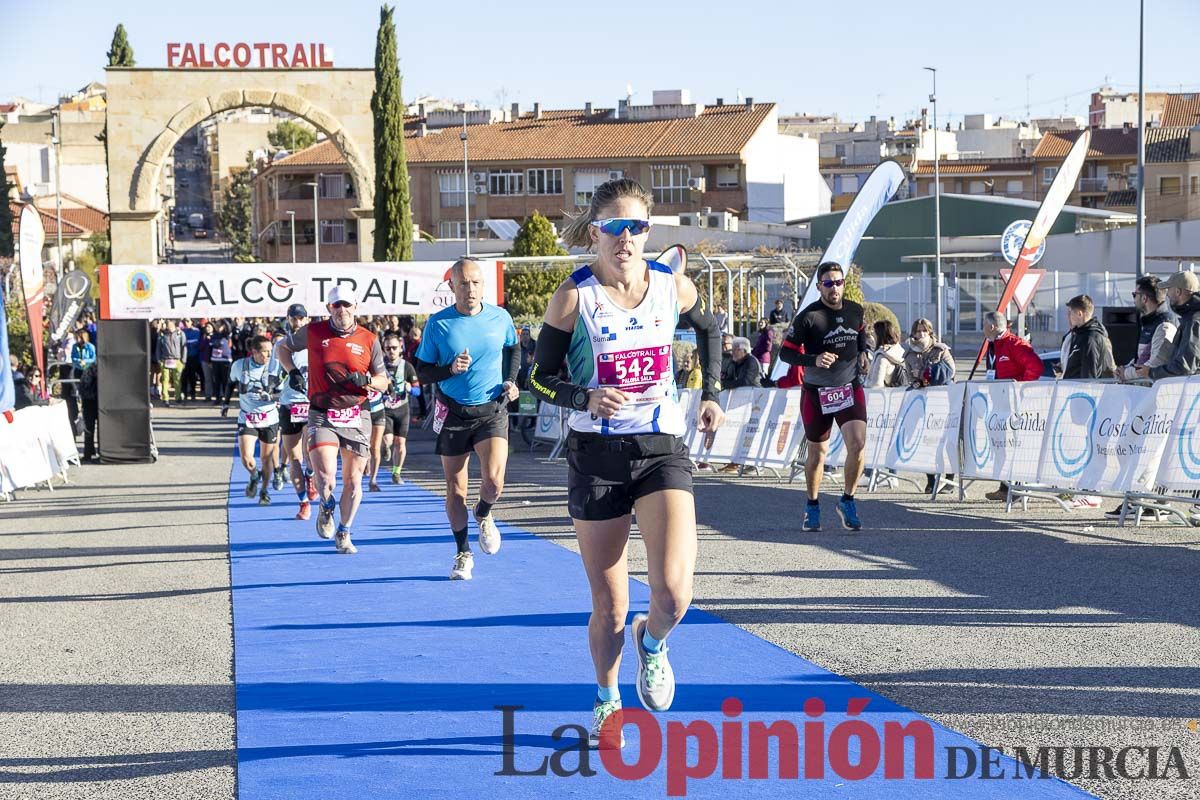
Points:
point(293, 342)
point(379, 375)
point(694, 312)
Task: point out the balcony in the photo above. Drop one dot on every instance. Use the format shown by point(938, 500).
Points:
point(1093, 185)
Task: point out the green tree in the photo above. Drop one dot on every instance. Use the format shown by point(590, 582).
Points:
point(6, 219)
point(236, 219)
point(393, 205)
point(99, 247)
point(291, 136)
point(527, 291)
point(854, 291)
point(120, 53)
point(536, 238)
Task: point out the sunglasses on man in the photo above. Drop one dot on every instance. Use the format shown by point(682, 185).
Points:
point(616, 226)
point(341, 304)
point(829, 283)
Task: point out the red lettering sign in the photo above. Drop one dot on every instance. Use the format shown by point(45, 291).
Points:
point(246, 55)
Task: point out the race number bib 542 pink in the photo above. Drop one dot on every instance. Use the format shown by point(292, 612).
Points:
point(344, 417)
point(635, 371)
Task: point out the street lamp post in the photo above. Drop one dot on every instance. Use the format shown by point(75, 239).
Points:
point(939, 279)
point(56, 140)
point(292, 226)
point(316, 220)
point(1141, 140)
point(466, 190)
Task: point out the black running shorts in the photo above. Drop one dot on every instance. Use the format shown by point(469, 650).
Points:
point(606, 475)
point(286, 426)
point(397, 421)
point(269, 434)
point(460, 432)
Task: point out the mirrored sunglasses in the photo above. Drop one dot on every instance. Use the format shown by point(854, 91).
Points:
point(341, 304)
point(616, 226)
point(829, 283)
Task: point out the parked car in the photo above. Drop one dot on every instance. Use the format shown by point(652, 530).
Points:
point(200, 233)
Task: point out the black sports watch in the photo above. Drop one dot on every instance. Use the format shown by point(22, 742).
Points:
point(579, 398)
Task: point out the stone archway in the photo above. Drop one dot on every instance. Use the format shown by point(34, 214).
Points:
point(146, 118)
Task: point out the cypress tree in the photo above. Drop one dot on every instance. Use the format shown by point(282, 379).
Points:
point(393, 206)
point(120, 53)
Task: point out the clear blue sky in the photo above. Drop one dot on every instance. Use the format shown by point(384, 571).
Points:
point(850, 58)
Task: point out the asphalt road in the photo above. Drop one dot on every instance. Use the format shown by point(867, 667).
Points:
point(1040, 628)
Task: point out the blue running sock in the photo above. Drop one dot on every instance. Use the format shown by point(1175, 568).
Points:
point(847, 498)
point(607, 694)
point(342, 528)
point(814, 502)
point(651, 644)
point(330, 504)
point(302, 494)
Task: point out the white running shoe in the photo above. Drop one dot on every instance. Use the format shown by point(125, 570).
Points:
point(655, 678)
point(325, 524)
point(489, 535)
point(344, 545)
point(601, 712)
point(277, 480)
point(463, 564)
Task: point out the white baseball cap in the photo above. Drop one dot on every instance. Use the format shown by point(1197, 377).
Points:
point(342, 294)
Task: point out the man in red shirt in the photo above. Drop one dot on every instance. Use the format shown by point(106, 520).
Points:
point(344, 359)
point(1009, 358)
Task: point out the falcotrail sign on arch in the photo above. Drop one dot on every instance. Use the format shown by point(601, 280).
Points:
point(266, 290)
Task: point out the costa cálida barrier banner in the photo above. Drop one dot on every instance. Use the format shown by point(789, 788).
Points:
point(1077, 436)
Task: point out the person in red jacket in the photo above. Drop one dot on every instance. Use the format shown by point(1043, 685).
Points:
point(1009, 358)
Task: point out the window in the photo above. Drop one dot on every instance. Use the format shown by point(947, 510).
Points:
point(333, 231)
point(977, 187)
point(511, 182)
point(333, 187)
point(450, 185)
point(1196, 184)
point(1169, 184)
point(586, 182)
point(849, 184)
point(545, 181)
point(451, 229)
point(1048, 174)
point(1014, 188)
point(839, 151)
point(670, 183)
point(727, 177)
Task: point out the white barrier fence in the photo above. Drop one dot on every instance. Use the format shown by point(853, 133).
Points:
point(35, 447)
point(1071, 436)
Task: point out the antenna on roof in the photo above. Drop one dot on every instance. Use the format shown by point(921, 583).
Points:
point(629, 93)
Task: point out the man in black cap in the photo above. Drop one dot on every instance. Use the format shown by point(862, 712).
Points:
point(293, 416)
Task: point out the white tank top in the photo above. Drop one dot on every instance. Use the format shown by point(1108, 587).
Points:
point(628, 349)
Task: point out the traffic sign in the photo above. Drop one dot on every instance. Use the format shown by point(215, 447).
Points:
point(1026, 288)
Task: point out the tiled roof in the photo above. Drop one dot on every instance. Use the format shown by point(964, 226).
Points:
point(49, 222)
point(321, 154)
point(1181, 110)
point(1167, 144)
point(88, 219)
point(1105, 142)
point(1123, 198)
point(717, 131)
point(974, 166)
